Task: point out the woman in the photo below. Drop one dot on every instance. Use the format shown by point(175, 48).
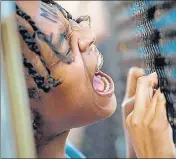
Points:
point(65, 84)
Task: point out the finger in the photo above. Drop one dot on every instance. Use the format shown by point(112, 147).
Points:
point(137, 134)
point(133, 74)
point(160, 122)
point(160, 113)
point(149, 118)
point(144, 94)
point(128, 106)
point(128, 122)
point(151, 109)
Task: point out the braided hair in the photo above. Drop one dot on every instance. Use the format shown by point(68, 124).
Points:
point(39, 79)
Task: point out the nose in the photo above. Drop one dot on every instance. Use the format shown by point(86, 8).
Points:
point(85, 42)
point(84, 36)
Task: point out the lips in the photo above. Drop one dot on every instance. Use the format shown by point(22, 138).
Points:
point(102, 83)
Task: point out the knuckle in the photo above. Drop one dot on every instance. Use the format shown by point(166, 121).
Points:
point(153, 127)
point(142, 80)
point(124, 104)
point(153, 78)
point(132, 71)
point(135, 123)
point(145, 123)
point(128, 120)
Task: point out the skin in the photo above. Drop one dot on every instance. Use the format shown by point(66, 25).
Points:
point(75, 103)
point(147, 130)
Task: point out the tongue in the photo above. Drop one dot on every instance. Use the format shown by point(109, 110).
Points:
point(98, 84)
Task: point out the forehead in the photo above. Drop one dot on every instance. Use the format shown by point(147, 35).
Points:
point(52, 18)
point(51, 12)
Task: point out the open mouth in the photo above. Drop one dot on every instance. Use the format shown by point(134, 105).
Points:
point(102, 83)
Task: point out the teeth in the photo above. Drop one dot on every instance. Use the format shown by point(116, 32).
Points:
point(107, 84)
point(99, 62)
point(99, 76)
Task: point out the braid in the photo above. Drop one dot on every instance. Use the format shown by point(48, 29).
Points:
point(30, 41)
point(42, 36)
point(38, 79)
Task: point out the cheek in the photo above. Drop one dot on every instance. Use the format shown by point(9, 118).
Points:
point(90, 63)
point(78, 93)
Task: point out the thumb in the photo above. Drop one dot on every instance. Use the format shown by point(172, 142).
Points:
point(133, 75)
point(128, 106)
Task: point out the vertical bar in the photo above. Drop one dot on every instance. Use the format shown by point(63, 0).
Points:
point(18, 97)
point(7, 138)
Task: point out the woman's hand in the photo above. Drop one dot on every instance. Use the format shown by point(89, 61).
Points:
point(147, 124)
point(128, 105)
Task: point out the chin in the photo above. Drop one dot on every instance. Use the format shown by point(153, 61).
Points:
point(112, 105)
point(106, 107)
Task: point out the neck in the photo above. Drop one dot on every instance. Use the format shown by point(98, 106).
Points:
point(55, 148)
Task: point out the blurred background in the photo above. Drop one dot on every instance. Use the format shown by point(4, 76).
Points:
point(118, 39)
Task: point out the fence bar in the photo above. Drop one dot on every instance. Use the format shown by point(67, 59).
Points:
point(18, 98)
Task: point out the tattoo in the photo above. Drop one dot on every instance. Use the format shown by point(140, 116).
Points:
point(48, 12)
point(50, 8)
point(61, 38)
point(51, 37)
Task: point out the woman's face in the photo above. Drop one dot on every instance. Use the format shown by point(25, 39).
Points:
point(86, 94)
